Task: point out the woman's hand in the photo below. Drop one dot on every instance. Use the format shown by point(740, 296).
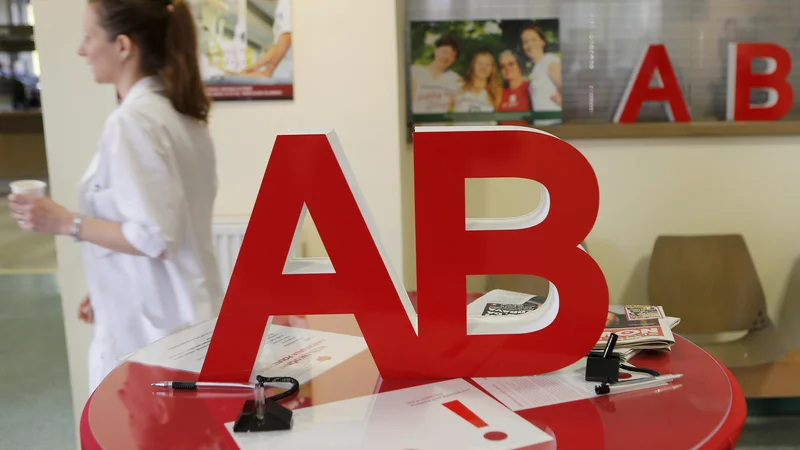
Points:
point(40, 214)
point(258, 72)
point(249, 70)
point(556, 98)
point(85, 311)
point(254, 68)
point(267, 72)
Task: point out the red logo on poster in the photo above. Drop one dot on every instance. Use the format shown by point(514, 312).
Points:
point(654, 62)
point(741, 80)
point(310, 170)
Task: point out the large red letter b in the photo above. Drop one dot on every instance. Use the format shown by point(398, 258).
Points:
point(447, 252)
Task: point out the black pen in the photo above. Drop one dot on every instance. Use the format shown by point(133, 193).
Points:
point(609, 350)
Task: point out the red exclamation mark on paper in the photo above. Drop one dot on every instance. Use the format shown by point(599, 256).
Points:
point(464, 412)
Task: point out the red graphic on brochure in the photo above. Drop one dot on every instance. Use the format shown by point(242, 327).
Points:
point(464, 412)
point(627, 333)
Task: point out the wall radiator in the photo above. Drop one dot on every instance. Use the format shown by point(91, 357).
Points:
point(228, 233)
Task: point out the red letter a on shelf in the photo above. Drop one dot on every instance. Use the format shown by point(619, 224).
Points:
point(639, 90)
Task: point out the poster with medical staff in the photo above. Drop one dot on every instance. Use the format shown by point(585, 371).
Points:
point(245, 48)
point(485, 72)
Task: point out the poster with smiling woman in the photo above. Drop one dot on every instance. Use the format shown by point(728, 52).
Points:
point(245, 48)
point(505, 72)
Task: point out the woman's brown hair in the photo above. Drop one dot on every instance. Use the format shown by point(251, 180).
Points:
point(493, 85)
point(536, 29)
point(165, 33)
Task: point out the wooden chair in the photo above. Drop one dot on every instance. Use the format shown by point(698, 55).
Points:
point(711, 284)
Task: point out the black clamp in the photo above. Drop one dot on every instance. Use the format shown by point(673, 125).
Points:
point(266, 414)
point(604, 367)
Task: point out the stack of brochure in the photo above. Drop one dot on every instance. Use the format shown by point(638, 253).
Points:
point(638, 327)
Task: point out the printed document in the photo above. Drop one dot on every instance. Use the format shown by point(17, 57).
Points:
point(184, 350)
point(304, 354)
point(287, 351)
point(448, 414)
point(562, 386)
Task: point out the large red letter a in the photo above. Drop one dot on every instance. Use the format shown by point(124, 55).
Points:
point(310, 169)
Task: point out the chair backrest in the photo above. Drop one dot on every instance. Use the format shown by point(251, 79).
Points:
point(709, 282)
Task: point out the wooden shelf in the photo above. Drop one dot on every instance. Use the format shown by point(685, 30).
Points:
point(669, 130)
point(21, 121)
point(672, 130)
point(22, 145)
point(17, 38)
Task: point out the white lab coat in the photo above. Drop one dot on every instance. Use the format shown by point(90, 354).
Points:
point(155, 173)
point(283, 24)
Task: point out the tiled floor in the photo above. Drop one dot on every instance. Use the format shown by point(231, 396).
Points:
point(770, 433)
point(21, 251)
point(35, 395)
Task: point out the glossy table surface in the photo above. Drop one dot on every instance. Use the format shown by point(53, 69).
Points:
point(705, 409)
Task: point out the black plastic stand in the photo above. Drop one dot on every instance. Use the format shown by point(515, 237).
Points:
point(275, 417)
point(604, 367)
point(266, 414)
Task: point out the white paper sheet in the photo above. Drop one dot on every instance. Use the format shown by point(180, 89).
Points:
point(294, 352)
point(562, 386)
point(404, 419)
point(184, 350)
point(304, 354)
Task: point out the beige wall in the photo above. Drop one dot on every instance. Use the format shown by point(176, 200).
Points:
point(662, 186)
point(695, 186)
point(648, 187)
point(347, 74)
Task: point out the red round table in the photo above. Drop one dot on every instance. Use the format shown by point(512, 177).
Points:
point(706, 410)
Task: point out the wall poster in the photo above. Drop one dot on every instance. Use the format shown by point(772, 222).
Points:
point(621, 61)
point(245, 48)
point(505, 72)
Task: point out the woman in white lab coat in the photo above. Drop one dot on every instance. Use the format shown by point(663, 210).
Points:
point(145, 203)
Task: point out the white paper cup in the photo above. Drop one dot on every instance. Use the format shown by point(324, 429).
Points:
point(33, 187)
point(30, 187)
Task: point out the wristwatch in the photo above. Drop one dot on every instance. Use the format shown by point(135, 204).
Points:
point(76, 227)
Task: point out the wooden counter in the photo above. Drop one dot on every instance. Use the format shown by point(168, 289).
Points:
point(774, 380)
point(22, 145)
